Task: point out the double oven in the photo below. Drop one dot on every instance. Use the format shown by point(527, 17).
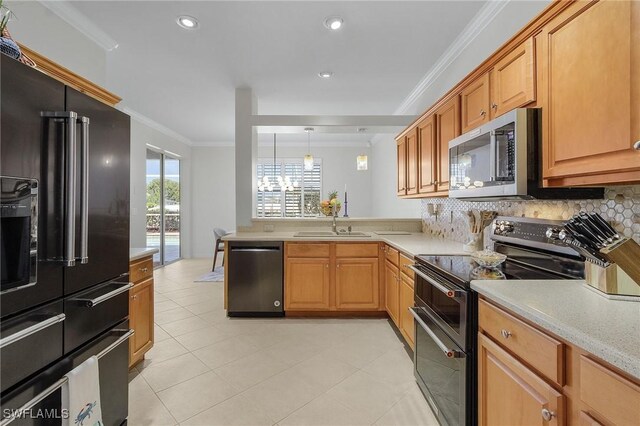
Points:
point(445, 336)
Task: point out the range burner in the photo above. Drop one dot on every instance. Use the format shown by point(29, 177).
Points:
point(461, 270)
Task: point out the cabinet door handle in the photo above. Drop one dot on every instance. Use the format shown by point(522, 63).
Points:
point(494, 105)
point(326, 265)
point(135, 297)
point(144, 270)
point(483, 112)
point(435, 182)
point(636, 145)
point(505, 333)
point(547, 415)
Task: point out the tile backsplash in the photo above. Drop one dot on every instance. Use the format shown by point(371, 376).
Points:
point(620, 206)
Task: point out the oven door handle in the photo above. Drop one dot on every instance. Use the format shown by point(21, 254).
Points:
point(450, 353)
point(447, 291)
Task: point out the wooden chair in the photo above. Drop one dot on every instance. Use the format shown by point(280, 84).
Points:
point(218, 233)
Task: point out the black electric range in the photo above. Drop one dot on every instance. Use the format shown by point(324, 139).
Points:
point(445, 309)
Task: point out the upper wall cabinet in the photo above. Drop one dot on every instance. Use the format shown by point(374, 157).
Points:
point(427, 155)
point(475, 103)
point(509, 84)
point(589, 90)
point(412, 163)
point(512, 80)
point(447, 128)
point(401, 146)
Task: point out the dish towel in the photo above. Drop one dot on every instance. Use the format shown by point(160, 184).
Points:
point(81, 395)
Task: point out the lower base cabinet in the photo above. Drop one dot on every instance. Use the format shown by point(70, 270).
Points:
point(407, 323)
point(141, 318)
point(392, 292)
point(332, 276)
point(512, 394)
point(357, 285)
point(306, 285)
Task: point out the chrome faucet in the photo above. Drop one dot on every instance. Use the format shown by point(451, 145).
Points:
point(334, 225)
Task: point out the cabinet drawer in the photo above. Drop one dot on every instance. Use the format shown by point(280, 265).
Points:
point(393, 255)
point(405, 262)
point(307, 250)
point(357, 250)
point(612, 396)
point(141, 269)
point(540, 351)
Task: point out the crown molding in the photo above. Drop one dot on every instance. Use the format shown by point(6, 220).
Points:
point(155, 125)
point(314, 145)
point(479, 22)
point(80, 22)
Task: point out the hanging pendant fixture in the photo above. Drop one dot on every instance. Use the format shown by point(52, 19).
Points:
point(285, 183)
point(362, 162)
point(308, 159)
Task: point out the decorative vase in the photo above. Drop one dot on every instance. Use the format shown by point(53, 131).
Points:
point(10, 48)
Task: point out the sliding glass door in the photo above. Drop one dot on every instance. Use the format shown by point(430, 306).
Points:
point(163, 206)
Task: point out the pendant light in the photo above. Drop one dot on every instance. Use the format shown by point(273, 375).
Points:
point(285, 184)
point(361, 162)
point(308, 159)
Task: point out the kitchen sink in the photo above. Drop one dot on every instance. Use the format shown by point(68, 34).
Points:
point(307, 234)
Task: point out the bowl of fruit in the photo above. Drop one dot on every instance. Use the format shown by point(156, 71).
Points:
point(327, 206)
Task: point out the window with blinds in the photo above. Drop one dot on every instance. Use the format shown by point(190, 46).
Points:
point(302, 201)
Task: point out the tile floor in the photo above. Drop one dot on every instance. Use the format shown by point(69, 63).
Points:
point(207, 369)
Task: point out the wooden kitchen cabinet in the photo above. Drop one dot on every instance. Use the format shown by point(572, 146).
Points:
point(357, 285)
point(307, 282)
point(343, 277)
point(392, 292)
point(523, 369)
point(589, 91)
point(407, 325)
point(447, 128)
point(512, 80)
point(401, 146)
point(512, 394)
point(427, 155)
point(475, 106)
point(412, 163)
point(141, 312)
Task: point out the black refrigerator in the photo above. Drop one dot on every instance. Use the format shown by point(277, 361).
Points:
point(64, 178)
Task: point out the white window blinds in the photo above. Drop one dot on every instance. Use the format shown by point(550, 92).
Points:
point(303, 201)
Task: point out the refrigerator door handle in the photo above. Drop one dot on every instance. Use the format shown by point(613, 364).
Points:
point(71, 118)
point(84, 190)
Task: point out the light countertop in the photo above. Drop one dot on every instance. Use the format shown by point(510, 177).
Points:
point(140, 252)
point(609, 329)
point(412, 244)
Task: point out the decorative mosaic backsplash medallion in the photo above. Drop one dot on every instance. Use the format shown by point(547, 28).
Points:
point(620, 206)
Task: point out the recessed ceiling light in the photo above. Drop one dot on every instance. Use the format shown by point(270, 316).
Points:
point(333, 22)
point(187, 22)
point(325, 74)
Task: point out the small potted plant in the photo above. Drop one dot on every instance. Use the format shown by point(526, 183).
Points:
point(327, 206)
point(7, 45)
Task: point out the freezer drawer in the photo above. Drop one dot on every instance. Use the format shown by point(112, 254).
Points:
point(30, 342)
point(255, 282)
point(91, 312)
point(43, 392)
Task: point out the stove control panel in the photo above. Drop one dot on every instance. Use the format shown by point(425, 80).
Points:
point(530, 232)
point(544, 231)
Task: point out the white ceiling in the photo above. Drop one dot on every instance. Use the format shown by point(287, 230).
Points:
point(185, 80)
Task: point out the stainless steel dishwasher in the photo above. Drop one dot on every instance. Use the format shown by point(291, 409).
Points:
point(255, 282)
